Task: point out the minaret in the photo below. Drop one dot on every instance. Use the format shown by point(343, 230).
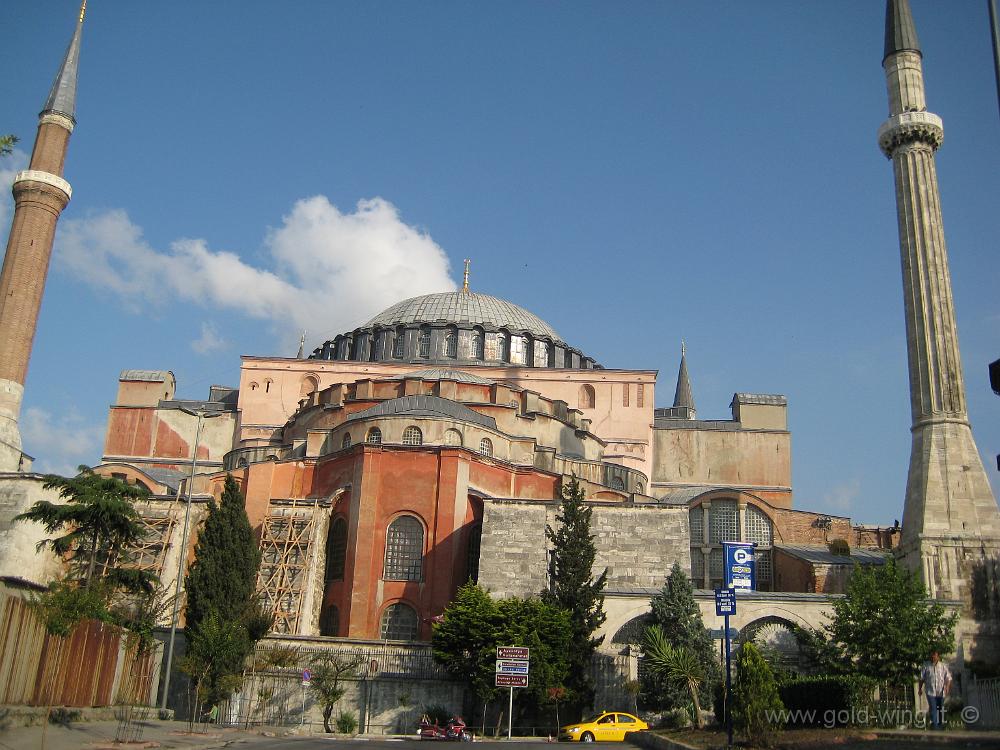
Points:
point(683, 395)
point(40, 195)
point(951, 524)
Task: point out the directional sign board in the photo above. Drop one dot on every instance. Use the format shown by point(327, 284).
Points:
point(719, 633)
point(512, 680)
point(725, 602)
point(740, 569)
point(512, 666)
point(512, 652)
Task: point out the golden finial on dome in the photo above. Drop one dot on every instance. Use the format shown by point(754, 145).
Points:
point(83, 10)
point(465, 281)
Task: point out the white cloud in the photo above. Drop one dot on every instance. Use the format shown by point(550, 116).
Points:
point(9, 166)
point(331, 270)
point(210, 340)
point(841, 497)
point(60, 443)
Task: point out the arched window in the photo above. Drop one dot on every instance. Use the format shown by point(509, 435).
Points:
point(451, 343)
point(588, 398)
point(758, 528)
point(336, 550)
point(310, 384)
point(424, 342)
point(617, 483)
point(529, 350)
point(486, 447)
point(726, 525)
point(412, 436)
point(452, 437)
point(373, 349)
point(503, 344)
point(329, 622)
point(404, 550)
point(374, 436)
point(399, 623)
point(399, 342)
point(475, 542)
point(253, 386)
point(478, 343)
point(346, 442)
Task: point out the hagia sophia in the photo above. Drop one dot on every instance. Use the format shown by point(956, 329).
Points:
point(429, 445)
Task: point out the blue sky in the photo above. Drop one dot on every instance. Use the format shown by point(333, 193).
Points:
point(634, 173)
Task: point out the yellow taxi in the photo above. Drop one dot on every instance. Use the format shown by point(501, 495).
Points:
point(607, 726)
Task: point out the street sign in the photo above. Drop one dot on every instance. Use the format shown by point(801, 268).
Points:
point(306, 675)
point(740, 568)
point(512, 652)
point(718, 634)
point(512, 680)
point(512, 666)
point(725, 602)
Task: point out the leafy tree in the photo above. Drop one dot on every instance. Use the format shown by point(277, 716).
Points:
point(99, 522)
point(466, 639)
point(546, 630)
point(215, 645)
point(676, 664)
point(7, 144)
point(328, 669)
point(573, 586)
point(885, 627)
point(221, 588)
point(676, 614)
point(757, 708)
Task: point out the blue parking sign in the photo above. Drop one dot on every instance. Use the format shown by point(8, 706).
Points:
point(740, 569)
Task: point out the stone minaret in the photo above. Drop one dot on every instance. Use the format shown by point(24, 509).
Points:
point(40, 195)
point(951, 524)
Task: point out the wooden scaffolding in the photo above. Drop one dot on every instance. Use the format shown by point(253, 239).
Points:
point(285, 541)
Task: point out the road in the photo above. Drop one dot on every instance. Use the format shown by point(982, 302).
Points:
point(331, 743)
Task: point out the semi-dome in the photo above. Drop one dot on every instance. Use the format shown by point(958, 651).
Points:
point(463, 307)
point(456, 330)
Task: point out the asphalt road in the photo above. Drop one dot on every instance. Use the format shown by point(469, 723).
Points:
point(318, 741)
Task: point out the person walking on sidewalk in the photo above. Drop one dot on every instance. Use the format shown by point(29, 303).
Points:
point(935, 682)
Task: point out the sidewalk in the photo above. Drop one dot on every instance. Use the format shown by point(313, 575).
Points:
point(95, 735)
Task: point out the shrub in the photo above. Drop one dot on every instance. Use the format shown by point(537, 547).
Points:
point(437, 714)
point(757, 708)
point(64, 716)
point(346, 723)
point(826, 699)
point(839, 547)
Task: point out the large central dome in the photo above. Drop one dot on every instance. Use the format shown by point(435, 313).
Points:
point(463, 307)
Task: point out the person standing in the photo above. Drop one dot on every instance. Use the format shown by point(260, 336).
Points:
point(935, 682)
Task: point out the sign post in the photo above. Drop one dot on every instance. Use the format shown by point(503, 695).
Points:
point(306, 682)
point(512, 671)
point(740, 574)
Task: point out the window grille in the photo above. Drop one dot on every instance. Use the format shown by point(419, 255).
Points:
point(404, 550)
point(722, 522)
point(424, 343)
point(452, 437)
point(696, 518)
point(486, 447)
point(503, 344)
point(758, 527)
point(762, 561)
point(451, 343)
point(336, 550)
point(475, 541)
point(374, 436)
point(715, 565)
point(329, 622)
point(697, 568)
point(478, 345)
point(412, 436)
point(399, 623)
point(346, 442)
point(617, 483)
point(398, 343)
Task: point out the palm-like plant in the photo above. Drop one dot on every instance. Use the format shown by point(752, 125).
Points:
point(99, 521)
point(675, 663)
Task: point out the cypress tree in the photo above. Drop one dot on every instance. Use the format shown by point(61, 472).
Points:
point(677, 614)
point(573, 586)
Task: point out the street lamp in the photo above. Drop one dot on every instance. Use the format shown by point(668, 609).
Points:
point(182, 556)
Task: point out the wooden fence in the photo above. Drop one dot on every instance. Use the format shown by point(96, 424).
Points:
point(95, 665)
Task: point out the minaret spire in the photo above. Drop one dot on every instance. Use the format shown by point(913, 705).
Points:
point(465, 279)
point(302, 346)
point(949, 512)
point(684, 395)
point(40, 195)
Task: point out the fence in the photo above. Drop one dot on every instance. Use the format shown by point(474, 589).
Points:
point(95, 665)
point(984, 697)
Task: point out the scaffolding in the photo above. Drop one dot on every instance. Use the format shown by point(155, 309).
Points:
point(285, 542)
point(151, 552)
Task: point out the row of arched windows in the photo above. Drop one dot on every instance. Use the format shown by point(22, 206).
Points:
point(413, 436)
point(727, 523)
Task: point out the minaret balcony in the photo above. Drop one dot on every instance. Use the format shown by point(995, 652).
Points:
point(908, 127)
point(46, 178)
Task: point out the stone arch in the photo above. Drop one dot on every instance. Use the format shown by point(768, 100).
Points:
point(309, 384)
point(632, 631)
point(775, 636)
point(588, 396)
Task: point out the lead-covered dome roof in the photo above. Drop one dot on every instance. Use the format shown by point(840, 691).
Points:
point(463, 307)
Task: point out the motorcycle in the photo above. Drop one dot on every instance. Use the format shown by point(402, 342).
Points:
point(453, 731)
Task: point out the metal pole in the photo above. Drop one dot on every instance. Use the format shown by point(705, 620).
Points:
point(995, 33)
point(181, 559)
point(510, 712)
point(729, 688)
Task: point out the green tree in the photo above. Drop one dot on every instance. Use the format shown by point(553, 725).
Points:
point(466, 639)
point(757, 707)
point(7, 144)
point(547, 631)
point(214, 647)
point(676, 614)
point(328, 669)
point(573, 586)
point(98, 522)
point(221, 588)
point(676, 664)
point(885, 626)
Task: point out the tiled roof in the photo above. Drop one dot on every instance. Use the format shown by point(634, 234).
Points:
point(425, 406)
point(463, 307)
point(820, 554)
point(444, 373)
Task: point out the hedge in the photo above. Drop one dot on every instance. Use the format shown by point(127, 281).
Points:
point(826, 700)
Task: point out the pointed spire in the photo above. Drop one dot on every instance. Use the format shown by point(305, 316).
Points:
point(900, 33)
point(465, 280)
point(683, 396)
point(62, 96)
point(302, 346)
